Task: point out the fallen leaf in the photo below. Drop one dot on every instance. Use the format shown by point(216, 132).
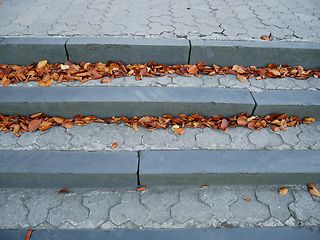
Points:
point(247, 199)
point(45, 126)
point(64, 190)
point(114, 145)
point(28, 234)
point(266, 38)
point(193, 69)
point(42, 64)
point(5, 81)
point(58, 119)
point(64, 67)
point(104, 80)
point(67, 124)
point(313, 190)
point(238, 69)
point(177, 129)
point(224, 125)
point(141, 189)
point(309, 119)
point(135, 126)
point(188, 8)
point(34, 125)
point(283, 191)
point(205, 186)
point(275, 128)
point(241, 78)
point(45, 84)
point(242, 121)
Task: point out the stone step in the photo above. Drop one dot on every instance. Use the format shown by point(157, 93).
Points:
point(54, 169)
point(226, 233)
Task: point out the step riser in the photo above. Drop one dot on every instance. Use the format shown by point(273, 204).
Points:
point(54, 169)
point(167, 51)
point(141, 101)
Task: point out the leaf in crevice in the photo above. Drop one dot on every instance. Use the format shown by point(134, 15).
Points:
point(242, 121)
point(104, 80)
point(47, 83)
point(114, 145)
point(193, 70)
point(28, 234)
point(283, 191)
point(135, 126)
point(34, 125)
point(58, 119)
point(238, 69)
point(272, 65)
point(313, 190)
point(45, 126)
point(275, 128)
point(308, 120)
point(141, 189)
point(224, 124)
point(35, 115)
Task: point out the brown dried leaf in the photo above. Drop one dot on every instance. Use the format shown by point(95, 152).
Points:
point(242, 121)
point(141, 189)
point(58, 119)
point(104, 80)
point(28, 235)
point(275, 128)
point(247, 199)
point(64, 190)
point(114, 145)
point(67, 124)
point(45, 126)
point(47, 83)
point(283, 191)
point(266, 38)
point(36, 115)
point(238, 69)
point(5, 81)
point(205, 186)
point(241, 78)
point(34, 125)
point(224, 124)
point(179, 131)
point(42, 64)
point(135, 126)
point(193, 69)
point(313, 190)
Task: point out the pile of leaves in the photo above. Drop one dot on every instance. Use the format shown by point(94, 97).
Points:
point(19, 124)
point(45, 74)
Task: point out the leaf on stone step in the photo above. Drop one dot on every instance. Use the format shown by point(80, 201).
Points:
point(5, 81)
point(224, 124)
point(241, 78)
point(42, 64)
point(64, 66)
point(104, 80)
point(275, 128)
point(205, 186)
point(67, 124)
point(58, 119)
point(135, 126)
point(193, 70)
point(141, 189)
point(272, 65)
point(313, 190)
point(238, 69)
point(308, 120)
point(35, 115)
point(64, 190)
point(28, 234)
point(266, 38)
point(242, 121)
point(34, 125)
point(45, 125)
point(47, 83)
point(247, 199)
point(283, 191)
point(114, 145)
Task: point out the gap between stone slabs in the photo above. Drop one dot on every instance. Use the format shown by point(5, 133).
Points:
point(174, 234)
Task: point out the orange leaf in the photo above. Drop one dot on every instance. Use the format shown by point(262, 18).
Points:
point(272, 65)
point(275, 128)
point(179, 131)
point(47, 83)
point(241, 78)
point(58, 119)
point(205, 186)
point(34, 125)
point(193, 69)
point(247, 199)
point(45, 126)
point(238, 69)
point(36, 115)
point(104, 80)
point(114, 145)
point(283, 191)
point(67, 124)
point(5, 81)
point(266, 38)
point(242, 121)
point(28, 234)
point(42, 64)
point(141, 189)
point(313, 190)
point(135, 126)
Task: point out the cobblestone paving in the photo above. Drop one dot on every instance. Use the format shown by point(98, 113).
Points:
point(159, 208)
point(289, 20)
point(218, 81)
point(100, 137)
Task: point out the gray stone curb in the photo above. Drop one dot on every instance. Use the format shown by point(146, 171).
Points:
point(228, 167)
point(128, 51)
point(118, 101)
point(23, 51)
point(294, 103)
point(49, 169)
point(226, 233)
point(259, 54)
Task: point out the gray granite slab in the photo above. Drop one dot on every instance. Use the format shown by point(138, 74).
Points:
point(128, 51)
point(67, 169)
point(23, 51)
point(201, 234)
point(117, 101)
point(294, 103)
point(257, 53)
point(228, 167)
